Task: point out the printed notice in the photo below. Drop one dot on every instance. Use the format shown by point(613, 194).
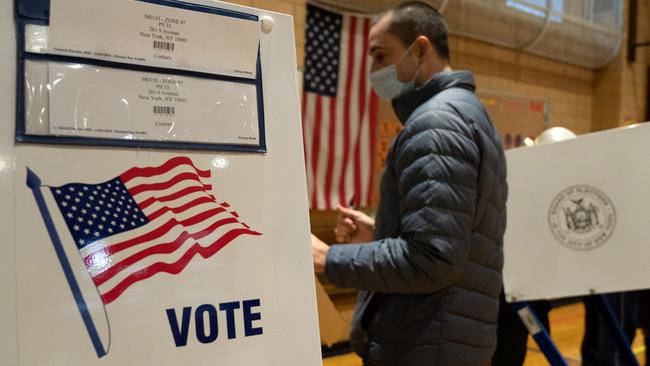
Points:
point(138, 32)
point(101, 102)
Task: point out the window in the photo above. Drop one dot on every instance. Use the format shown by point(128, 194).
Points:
point(538, 7)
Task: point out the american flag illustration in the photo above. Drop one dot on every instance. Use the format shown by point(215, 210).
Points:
point(129, 228)
point(146, 221)
point(339, 109)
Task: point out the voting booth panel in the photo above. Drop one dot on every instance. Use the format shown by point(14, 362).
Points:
point(578, 216)
point(118, 253)
point(8, 334)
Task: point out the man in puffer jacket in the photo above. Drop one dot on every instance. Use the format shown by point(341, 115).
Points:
point(429, 268)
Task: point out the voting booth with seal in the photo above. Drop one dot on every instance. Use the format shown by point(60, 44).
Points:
point(154, 202)
point(577, 225)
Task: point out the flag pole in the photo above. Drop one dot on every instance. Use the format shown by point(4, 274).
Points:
point(34, 183)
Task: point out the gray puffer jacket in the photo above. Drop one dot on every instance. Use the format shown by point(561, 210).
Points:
point(432, 278)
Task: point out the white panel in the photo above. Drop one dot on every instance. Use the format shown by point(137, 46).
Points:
point(8, 344)
point(268, 191)
point(605, 250)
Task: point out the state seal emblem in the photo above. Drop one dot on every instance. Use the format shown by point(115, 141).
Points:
point(582, 217)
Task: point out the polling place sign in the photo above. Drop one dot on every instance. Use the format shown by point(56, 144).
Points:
point(167, 229)
point(578, 216)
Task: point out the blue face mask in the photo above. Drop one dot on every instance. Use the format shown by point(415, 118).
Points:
point(386, 84)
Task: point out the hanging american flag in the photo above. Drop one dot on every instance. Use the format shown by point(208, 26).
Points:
point(144, 222)
point(339, 110)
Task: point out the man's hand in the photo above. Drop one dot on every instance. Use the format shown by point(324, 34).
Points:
point(353, 226)
point(319, 252)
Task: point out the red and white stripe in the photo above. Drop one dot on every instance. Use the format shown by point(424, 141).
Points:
point(340, 131)
point(185, 220)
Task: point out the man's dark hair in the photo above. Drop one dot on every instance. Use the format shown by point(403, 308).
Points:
point(412, 19)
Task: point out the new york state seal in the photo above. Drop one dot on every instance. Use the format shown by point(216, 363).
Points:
point(582, 217)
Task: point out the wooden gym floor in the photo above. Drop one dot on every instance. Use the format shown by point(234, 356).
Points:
point(567, 327)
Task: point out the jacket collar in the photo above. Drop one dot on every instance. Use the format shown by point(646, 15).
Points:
point(405, 105)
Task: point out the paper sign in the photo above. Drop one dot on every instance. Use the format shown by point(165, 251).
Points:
point(91, 101)
point(138, 32)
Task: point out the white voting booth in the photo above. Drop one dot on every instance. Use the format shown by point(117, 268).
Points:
point(153, 202)
point(578, 216)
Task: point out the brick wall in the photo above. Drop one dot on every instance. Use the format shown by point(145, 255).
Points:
point(568, 88)
point(634, 80)
point(620, 87)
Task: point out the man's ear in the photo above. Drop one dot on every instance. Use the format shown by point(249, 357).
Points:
point(422, 45)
